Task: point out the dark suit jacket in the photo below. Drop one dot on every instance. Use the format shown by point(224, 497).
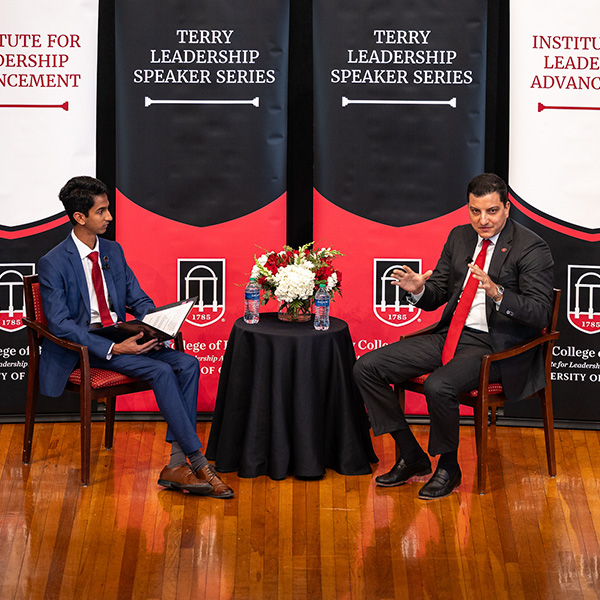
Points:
point(522, 263)
point(66, 304)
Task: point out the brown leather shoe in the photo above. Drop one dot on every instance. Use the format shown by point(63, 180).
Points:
point(220, 488)
point(182, 478)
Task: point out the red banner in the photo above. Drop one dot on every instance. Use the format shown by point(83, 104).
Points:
point(183, 260)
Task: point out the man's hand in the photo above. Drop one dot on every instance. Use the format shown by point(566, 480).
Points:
point(410, 281)
point(484, 281)
point(130, 345)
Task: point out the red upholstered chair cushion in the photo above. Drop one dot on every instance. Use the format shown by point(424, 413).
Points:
point(101, 378)
point(493, 388)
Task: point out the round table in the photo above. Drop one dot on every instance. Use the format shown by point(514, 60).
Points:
point(287, 403)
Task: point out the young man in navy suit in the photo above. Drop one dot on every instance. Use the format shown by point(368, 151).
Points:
point(72, 309)
point(512, 302)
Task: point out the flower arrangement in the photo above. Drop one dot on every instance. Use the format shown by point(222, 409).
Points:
point(293, 277)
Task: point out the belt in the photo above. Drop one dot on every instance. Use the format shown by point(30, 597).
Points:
point(472, 330)
point(96, 326)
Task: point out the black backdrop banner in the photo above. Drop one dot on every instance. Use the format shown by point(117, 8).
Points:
point(201, 157)
point(399, 132)
point(201, 96)
point(399, 105)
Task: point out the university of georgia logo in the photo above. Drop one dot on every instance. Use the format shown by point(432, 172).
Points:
point(389, 301)
point(204, 278)
point(12, 301)
point(583, 297)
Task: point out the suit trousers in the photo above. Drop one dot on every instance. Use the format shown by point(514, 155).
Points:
point(174, 379)
point(376, 371)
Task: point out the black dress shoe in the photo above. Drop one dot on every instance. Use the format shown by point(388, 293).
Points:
point(441, 484)
point(401, 472)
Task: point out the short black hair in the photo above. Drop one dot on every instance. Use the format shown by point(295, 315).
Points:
point(487, 183)
point(79, 193)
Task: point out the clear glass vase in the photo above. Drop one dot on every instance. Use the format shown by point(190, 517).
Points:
point(298, 311)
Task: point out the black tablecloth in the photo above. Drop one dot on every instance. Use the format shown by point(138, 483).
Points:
point(287, 403)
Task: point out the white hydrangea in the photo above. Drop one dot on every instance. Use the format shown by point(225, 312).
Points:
point(332, 281)
point(255, 272)
point(294, 282)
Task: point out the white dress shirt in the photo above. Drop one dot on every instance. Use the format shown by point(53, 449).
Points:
point(84, 252)
point(476, 319)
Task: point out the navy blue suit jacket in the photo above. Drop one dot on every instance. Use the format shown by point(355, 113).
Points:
point(66, 304)
point(522, 263)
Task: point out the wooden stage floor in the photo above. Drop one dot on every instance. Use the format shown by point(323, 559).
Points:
point(530, 536)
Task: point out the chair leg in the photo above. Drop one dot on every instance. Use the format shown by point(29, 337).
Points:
point(548, 416)
point(110, 422)
point(30, 410)
point(481, 418)
point(86, 423)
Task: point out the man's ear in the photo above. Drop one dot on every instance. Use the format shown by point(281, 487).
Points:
point(79, 218)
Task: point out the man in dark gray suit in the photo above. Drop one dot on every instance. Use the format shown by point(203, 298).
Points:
point(512, 302)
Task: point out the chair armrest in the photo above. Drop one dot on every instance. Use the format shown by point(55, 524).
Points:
point(521, 348)
point(43, 331)
point(488, 359)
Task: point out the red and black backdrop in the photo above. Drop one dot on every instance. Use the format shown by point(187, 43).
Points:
point(209, 118)
point(554, 157)
point(201, 154)
point(399, 131)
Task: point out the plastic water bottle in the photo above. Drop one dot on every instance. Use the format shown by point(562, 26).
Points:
point(251, 302)
point(322, 308)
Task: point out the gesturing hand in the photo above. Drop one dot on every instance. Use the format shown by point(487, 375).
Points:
point(410, 281)
point(484, 281)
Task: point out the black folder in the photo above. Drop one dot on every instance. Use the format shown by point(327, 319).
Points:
point(119, 332)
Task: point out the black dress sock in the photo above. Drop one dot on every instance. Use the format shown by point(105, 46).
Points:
point(409, 448)
point(449, 462)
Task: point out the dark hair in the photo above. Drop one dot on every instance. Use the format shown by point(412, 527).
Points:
point(487, 183)
point(79, 193)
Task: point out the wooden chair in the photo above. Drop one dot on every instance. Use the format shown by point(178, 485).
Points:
point(90, 383)
point(491, 395)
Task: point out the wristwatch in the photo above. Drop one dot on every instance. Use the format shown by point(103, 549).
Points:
point(499, 293)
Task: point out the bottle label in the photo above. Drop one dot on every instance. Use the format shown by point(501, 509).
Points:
point(252, 295)
point(322, 302)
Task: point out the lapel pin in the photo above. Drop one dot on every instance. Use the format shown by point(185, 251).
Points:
point(503, 249)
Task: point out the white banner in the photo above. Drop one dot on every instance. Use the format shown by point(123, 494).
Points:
point(555, 112)
point(48, 58)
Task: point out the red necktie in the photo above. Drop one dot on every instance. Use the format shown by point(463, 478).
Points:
point(459, 318)
point(99, 288)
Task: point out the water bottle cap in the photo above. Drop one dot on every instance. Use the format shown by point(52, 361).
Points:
point(321, 285)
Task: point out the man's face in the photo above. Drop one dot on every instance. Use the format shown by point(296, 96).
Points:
point(488, 214)
point(98, 217)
